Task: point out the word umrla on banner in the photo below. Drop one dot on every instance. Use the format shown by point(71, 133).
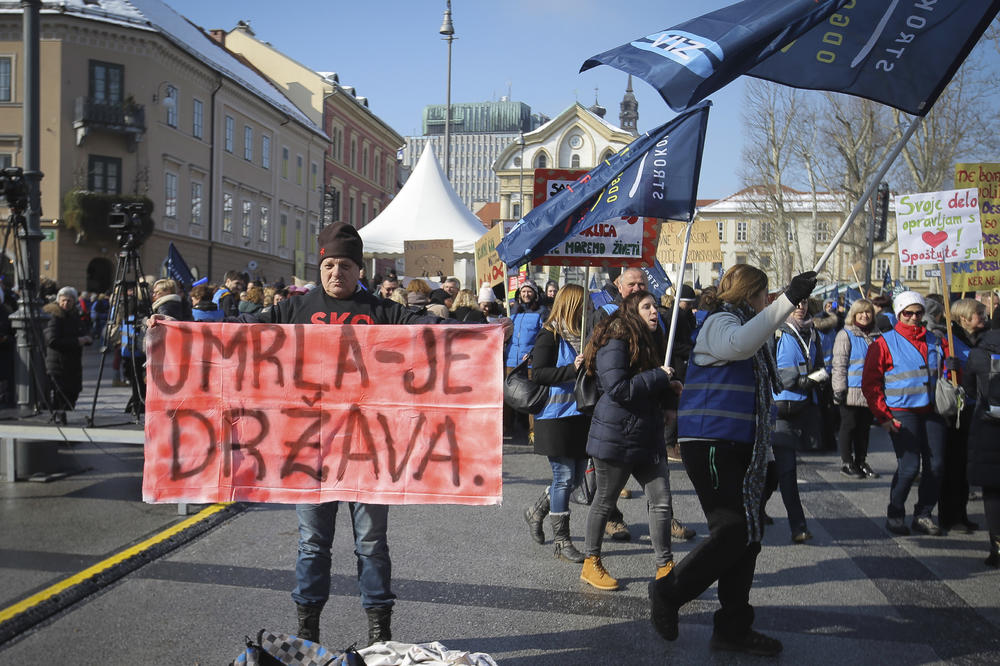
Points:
point(489, 269)
point(982, 274)
point(705, 245)
point(312, 413)
point(935, 227)
point(429, 258)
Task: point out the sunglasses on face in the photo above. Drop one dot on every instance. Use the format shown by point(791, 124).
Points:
point(911, 313)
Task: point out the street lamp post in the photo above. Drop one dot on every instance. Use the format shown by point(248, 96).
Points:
point(448, 30)
point(520, 176)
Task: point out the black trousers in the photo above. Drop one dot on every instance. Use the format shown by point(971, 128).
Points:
point(716, 470)
point(852, 440)
point(954, 499)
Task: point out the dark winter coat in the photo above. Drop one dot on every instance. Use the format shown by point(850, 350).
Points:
point(984, 436)
point(63, 352)
point(557, 437)
point(170, 306)
point(468, 315)
point(628, 420)
point(316, 307)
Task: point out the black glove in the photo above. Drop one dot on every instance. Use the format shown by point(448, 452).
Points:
point(803, 383)
point(801, 286)
point(840, 397)
point(951, 364)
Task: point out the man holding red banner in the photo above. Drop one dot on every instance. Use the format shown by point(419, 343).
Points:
point(341, 301)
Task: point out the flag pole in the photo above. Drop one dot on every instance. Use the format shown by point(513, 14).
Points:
point(946, 292)
point(583, 317)
point(674, 311)
point(876, 179)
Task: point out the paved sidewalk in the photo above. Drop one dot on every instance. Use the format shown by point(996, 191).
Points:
point(471, 578)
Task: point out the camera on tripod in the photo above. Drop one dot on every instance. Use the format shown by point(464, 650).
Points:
point(13, 187)
point(127, 220)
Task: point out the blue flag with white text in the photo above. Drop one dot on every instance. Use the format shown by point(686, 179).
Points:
point(690, 61)
point(654, 176)
point(656, 279)
point(898, 53)
point(177, 268)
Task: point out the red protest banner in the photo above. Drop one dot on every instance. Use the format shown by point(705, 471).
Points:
point(307, 413)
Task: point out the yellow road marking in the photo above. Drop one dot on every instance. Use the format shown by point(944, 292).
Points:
point(89, 572)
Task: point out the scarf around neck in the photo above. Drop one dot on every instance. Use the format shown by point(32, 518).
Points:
point(767, 385)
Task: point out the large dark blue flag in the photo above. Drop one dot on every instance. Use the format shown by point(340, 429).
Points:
point(690, 61)
point(177, 268)
point(656, 279)
point(852, 295)
point(898, 53)
point(654, 176)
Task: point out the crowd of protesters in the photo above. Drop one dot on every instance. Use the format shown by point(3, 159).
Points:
point(756, 377)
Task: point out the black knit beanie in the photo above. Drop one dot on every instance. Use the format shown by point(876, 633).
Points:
point(341, 240)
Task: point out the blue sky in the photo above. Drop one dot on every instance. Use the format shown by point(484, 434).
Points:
point(391, 52)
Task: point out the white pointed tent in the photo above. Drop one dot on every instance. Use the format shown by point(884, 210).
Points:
point(427, 208)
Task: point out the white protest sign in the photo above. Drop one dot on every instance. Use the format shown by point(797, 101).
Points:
point(935, 227)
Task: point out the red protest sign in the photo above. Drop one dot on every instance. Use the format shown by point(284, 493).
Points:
point(309, 413)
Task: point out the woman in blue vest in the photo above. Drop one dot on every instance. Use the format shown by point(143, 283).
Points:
point(849, 351)
point(560, 430)
point(968, 321)
point(626, 353)
point(799, 359)
point(527, 317)
point(900, 373)
point(725, 423)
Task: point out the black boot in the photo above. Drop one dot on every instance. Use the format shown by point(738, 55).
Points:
point(534, 515)
point(379, 620)
point(564, 549)
point(308, 622)
point(993, 560)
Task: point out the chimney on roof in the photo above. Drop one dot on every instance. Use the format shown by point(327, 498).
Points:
point(218, 35)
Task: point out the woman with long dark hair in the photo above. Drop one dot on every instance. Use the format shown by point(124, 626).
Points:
point(560, 429)
point(626, 353)
point(724, 427)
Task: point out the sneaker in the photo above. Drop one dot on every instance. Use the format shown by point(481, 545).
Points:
point(850, 471)
point(924, 525)
point(801, 537)
point(679, 531)
point(617, 530)
point(867, 472)
point(752, 642)
point(594, 573)
point(897, 526)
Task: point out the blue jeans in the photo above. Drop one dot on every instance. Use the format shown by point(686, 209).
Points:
point(920, 439)
point(312, 568)
point(566, 476)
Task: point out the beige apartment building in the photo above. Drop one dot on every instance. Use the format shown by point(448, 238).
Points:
point(136, 102)
point(360, 172)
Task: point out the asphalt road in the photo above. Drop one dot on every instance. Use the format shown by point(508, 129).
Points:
point(471, 578)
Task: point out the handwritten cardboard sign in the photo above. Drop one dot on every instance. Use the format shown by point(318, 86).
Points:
point(314, 413)
point(932, 227)
point(489, 269)
point(982, 274)
point(705, 246)
point(429, 258)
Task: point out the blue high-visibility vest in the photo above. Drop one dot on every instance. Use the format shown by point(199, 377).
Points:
point(856, 366)
point(219, 293)
point(562, 402)
point(909, 383)
point(522, 341)
point(789, 355)
point(718, 402)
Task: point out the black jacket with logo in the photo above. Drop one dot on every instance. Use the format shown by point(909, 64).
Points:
point(316, 307)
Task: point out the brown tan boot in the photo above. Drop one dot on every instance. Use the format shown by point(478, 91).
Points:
point(595, 574)
point(664, 570)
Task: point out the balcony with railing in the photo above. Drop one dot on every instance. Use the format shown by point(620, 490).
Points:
point(125, 118)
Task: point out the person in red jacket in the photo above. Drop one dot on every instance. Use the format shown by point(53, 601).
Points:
point(901, 370)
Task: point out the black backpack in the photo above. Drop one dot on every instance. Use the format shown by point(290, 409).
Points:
point(273, 649)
